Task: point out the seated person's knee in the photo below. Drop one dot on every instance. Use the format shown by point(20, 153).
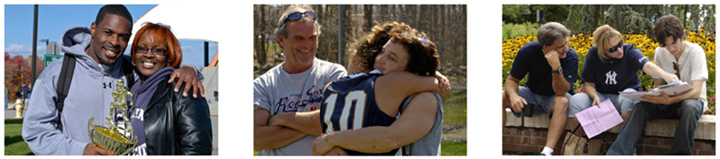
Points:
point(562, 100)
point(691, 106)
point(560, 104)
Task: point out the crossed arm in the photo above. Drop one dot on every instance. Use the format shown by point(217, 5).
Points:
point(272, 136)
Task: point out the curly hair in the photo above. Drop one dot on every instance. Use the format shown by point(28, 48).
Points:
point(162, 33)
point(423, 56)
point(371, 45)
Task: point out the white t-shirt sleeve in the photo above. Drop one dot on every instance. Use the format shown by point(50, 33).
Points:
point(698, 66)
point(337, 72)
point(260, 96)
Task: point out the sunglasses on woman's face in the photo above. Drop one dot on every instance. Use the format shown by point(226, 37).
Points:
point(298, 15)
point(616, 47)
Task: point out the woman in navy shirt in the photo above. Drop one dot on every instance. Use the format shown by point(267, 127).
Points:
point(611, 67)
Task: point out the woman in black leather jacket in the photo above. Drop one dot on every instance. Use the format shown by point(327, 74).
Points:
point(164, 122)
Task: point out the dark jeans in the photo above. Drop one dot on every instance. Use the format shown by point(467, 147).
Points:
point(687, 111)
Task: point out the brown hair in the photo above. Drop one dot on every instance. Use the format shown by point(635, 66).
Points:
point(424, 58)
point(162, 33)
point(601, 37)
point(371, 45)
point(667, 26)
point(551, 31)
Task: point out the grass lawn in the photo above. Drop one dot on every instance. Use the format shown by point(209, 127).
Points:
point(14, 144)
point(455, 108)
point(455, 113)
point(453, 148)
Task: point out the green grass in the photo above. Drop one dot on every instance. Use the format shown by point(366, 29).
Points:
point(455, 108)
point(455, 113)
point(14, 143)
point(453, 148)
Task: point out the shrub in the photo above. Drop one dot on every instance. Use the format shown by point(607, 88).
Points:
point(515, 30)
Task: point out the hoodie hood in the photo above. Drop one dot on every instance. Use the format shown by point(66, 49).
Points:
point(76, 40)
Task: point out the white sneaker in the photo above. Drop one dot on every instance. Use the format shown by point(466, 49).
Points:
point(546, 151)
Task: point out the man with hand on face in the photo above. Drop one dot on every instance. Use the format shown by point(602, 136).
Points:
point(551, 66)
point(50, 129)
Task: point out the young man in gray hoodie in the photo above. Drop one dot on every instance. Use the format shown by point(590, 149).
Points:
point(98, 53)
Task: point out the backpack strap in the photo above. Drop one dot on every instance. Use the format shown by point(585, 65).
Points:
point(64, 81)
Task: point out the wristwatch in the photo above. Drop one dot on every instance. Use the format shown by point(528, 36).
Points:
point(559, 70)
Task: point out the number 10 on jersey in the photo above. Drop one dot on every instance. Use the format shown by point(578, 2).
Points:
point(356, 99)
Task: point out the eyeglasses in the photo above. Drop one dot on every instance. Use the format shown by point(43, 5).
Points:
point(156, 51)
point(298, 15)
point(615, 48)
point(677, 71)
point(563, 46)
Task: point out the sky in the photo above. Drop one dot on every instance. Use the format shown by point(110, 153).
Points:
point(53, 20)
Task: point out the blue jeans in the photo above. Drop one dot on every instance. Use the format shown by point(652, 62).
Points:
point(687, 111)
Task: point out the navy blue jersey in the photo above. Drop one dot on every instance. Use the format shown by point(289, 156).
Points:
point(614, 75)
point(530, 60)
point(349, 103)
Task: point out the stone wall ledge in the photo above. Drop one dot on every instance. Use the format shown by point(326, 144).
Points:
point(660, 128)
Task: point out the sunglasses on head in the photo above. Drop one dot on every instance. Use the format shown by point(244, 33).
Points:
point(295, 16)
point(615, 48)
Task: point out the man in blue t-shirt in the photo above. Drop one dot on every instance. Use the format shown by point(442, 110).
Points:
point(551, 66)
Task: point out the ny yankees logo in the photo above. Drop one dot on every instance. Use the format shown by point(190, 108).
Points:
point(610, 77)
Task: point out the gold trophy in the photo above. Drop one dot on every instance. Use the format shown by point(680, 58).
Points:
point(112, 139)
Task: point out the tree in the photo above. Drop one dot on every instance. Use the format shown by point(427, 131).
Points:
point(17, 71)
point(368, 17)
point(446, 25)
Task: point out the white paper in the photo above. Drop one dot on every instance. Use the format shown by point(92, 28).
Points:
point(596, 120)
